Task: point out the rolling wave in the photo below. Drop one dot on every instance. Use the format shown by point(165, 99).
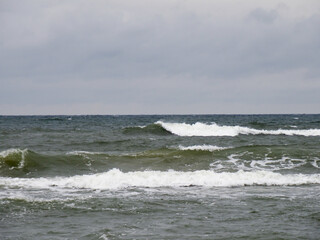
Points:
point(213, 129)
point(116, 179)
point(26, 163)
point(155, 129)
point(14, 157)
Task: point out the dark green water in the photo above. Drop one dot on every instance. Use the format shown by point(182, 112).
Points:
point(160, 177)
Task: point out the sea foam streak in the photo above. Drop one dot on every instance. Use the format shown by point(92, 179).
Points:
point(116, 179)
point(202, 129)
point(81, 153)
point(209, 148)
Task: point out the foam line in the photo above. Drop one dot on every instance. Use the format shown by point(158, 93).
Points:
point(116, 179)
point(204, 147)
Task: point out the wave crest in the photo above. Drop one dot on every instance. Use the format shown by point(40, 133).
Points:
point(213, 129)
point(14, 157)
point(116, 179)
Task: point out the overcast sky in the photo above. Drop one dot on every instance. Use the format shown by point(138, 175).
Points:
point(159, 56)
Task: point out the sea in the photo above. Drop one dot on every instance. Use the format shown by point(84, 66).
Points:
point(160, 177)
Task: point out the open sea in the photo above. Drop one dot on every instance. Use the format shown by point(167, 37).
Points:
point(160, 177)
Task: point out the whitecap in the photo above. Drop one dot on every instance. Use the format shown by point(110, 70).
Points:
point(213, 129)
point(116, 179)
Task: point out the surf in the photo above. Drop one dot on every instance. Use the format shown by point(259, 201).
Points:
point(117, 179)
point(213, 129)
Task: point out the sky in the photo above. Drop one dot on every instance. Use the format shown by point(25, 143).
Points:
point(159, 57)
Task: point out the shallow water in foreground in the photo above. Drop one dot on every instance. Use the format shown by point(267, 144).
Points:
point(160, 177)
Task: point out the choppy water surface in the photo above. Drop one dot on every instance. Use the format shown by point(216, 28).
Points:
point(160, 177)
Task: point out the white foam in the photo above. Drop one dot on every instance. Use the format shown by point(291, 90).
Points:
point(236, 162)
point(316, 163)
point(204, 147)
point(81, 153)
point(277, 164)
point(11, 151)
point(116, 179)
point(104, 237)
point(213, 129)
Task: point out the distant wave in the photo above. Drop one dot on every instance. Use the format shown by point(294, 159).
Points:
point(116, 179)
point(203, 129)
point(57, 118)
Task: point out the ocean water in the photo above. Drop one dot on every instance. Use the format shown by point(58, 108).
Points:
point(160, 177)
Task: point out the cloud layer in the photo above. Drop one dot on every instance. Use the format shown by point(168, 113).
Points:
point(132, 57)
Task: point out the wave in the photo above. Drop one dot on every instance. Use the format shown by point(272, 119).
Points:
point(213, 129)
point(14, 157)
point(116, 179)
point(17, 162)
point(155, 129)
point(26, 163)
point(258, 124)
point(52, 118)
point(104, 142)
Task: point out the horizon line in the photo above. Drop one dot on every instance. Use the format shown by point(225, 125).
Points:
point(154, 114)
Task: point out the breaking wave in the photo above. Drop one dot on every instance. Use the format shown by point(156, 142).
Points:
point(14, 157)
point(17, 162)
point(116, 179)
point(213, 129)
point(24, 163)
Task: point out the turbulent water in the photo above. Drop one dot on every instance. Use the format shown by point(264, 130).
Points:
point(160, 177)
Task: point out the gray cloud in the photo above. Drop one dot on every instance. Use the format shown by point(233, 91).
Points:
point(263, 16)
point(175, 53)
